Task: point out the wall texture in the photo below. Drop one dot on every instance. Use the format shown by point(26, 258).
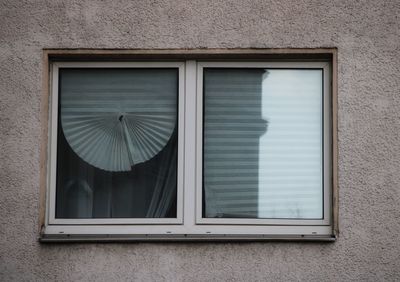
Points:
point(367, 35)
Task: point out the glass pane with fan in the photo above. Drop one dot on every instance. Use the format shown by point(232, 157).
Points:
point(117, 143)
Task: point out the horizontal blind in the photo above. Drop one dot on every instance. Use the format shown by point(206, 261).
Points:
point(114, 118)
point(263, 143)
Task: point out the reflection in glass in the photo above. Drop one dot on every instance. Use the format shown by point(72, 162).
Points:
point(117, 143)
point(263, 143)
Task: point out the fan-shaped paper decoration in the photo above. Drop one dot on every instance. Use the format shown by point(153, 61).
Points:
point(114, 129)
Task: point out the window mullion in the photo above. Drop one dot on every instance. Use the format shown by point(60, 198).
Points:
point(190, 144)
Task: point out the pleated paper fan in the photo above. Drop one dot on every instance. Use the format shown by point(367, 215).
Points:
point(114, 131)
point(117, 141)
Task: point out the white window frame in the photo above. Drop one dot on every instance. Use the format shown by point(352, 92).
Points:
point(326, 144)
point(53, 146)
point(189, 223)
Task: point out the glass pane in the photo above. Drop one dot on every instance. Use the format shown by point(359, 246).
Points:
point(117, 143)
point(263, 143)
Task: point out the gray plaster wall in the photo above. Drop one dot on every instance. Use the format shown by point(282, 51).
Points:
point(367, 35)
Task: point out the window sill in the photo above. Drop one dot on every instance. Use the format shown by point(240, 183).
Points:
point(59, 238)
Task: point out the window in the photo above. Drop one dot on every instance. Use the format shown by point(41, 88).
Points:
point(190, 149)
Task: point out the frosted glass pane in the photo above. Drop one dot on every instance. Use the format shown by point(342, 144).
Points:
point(263, 143)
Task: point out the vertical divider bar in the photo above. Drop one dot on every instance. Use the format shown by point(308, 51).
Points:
point(190, 145)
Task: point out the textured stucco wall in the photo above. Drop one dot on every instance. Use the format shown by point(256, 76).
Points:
point(367, 35)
